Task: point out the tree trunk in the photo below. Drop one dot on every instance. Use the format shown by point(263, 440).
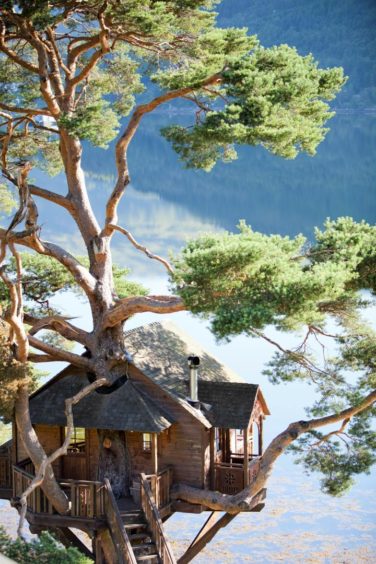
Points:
point(114, 462)
point(36, 453)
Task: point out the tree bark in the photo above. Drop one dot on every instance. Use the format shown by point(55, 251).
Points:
point(36, 452)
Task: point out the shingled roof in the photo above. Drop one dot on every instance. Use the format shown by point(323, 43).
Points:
point(231, 403)
point(126, 408)
point(160, 351)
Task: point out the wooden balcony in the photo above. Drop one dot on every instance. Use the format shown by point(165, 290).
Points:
point(94, 509)
point(232, 477)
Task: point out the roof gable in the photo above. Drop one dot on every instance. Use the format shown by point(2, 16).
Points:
point(231, 404)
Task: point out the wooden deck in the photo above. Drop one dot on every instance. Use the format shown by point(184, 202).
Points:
point(94, 509)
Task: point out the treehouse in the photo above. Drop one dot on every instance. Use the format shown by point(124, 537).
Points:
point(176, 415)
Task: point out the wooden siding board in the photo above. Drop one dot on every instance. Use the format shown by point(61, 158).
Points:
point(183, 445)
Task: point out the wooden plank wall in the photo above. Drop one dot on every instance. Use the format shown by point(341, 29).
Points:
point(185, 445)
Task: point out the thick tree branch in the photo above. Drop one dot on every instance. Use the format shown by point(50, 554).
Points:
point(12, 54)
point(28, 111)
point(142, 248)
point(28, 239)
point(52, 38)
point(61, 354)
point(60, 325)
point(15, 315)
point(141, 304)
point(38, 358)
point(44, 193)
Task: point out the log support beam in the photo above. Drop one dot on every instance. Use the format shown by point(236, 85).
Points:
point(206, 534)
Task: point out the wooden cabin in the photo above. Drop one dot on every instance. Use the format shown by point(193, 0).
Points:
point(167, 418)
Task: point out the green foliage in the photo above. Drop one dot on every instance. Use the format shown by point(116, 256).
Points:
point(347, 24)
point(12, 375)
point(95, 121)
point(275, 98)
point(7, 200)
point(270, 97)
point(210, 54)
point(342, 456)
point(45, 549)
point(249, 280)
point(345, 240)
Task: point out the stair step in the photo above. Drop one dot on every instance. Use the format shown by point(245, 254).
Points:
point(135, 512)
point(139, 536)
point(135, 525)
point(143, 546)
point(147, 557)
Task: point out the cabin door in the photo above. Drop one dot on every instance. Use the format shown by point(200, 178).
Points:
point(75, 461)
point(114, 463)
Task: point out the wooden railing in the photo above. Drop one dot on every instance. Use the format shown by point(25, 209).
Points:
point(5, 471)
point(120, 539)
point(229, 477)
point(154, 521)
point(86, 498)
point(27, 466)
point(37, 502)
point(160, 485)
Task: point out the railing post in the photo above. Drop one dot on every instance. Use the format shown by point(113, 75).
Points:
point(245, 461)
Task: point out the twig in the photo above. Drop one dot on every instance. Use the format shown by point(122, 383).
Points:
point(140, 247)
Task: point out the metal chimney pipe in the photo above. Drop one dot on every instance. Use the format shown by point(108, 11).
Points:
point(193, 363)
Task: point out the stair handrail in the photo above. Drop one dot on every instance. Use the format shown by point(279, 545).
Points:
point(116, 527)
point(154, 521)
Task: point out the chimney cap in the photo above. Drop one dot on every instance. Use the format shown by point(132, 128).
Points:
point(193, 360)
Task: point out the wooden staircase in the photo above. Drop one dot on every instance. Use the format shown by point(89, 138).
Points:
point(140, 536)
point(136, 534)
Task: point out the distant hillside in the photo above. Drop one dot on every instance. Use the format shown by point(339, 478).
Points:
point(337, 32)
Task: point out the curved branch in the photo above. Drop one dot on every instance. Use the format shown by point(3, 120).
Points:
point(28, 239)
point(124, 141)
point(12, 54)
point(142, 248)
point(28, 111)
point(52, 197)
point(142, 304)
point(60, 325)
point(44, 193)
point(61, 354)
point(86, 70)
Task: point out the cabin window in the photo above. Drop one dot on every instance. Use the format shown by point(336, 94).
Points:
point(146, 442)
point(217, 439)
point(239, 441)
point(77, 440)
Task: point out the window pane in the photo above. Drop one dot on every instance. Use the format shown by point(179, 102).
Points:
point(146, 442)
point(77, 440)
